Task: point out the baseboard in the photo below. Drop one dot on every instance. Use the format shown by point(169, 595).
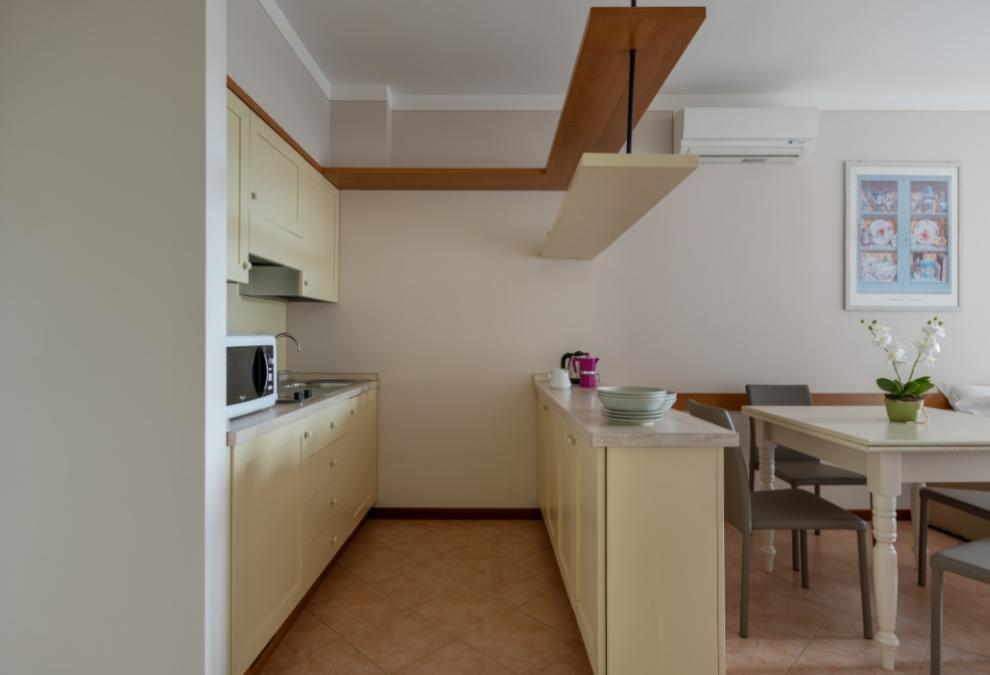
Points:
point(401, 513)
point(866, 514)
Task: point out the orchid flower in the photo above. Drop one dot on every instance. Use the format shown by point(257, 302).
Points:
point(927, 348)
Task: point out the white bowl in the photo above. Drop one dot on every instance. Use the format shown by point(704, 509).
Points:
point(633, 392)
point(634, 405)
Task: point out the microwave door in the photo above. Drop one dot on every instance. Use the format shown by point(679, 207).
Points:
point(247, 374)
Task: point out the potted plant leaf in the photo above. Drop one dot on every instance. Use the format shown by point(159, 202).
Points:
point(904, 398)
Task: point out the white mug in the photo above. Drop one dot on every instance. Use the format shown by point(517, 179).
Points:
point(559, 379)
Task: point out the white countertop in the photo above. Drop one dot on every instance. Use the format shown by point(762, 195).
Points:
point(676, 430)
point(866, 426)
point(244, 428)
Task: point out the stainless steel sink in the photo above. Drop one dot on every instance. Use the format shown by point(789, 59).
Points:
point(297, 391)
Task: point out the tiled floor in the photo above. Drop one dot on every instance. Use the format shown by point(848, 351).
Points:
point(485, 597)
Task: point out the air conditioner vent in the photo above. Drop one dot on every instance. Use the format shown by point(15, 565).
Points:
point(746, 135)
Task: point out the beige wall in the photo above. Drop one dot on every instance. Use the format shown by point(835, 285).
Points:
point(736, 277)
point(263, 63)
point(111, 175)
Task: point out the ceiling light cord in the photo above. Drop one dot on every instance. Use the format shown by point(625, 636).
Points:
point(632, 87)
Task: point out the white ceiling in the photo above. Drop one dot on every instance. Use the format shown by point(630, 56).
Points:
point(864, 54)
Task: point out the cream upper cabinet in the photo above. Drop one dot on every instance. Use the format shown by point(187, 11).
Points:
point(275, 181)
point(238, 140)
point(266, 544)
point(320, 209)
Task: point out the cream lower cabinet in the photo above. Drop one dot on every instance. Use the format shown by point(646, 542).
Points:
point(297, 493)
point(655, 516)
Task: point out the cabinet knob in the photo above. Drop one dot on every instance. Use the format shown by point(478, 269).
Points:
point(333, 424)
point(544, 408)
point(333, 502)
point(254, 195)
point(246, 265)
point(305, 434)
point(305, 282)
point(333, 462)
point(333, 539)
point(352, 411)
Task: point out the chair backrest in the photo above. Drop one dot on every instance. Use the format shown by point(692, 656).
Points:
point(735, 484)
point(774, 394)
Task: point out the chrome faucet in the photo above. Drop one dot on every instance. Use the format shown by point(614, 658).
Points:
point(292, 337)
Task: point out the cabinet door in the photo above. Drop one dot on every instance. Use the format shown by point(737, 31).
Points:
point(542, 415)
point(567, 495)
point(275, 177)
point(266, 540)
point(238, 141)
point(364, 439)
point(552, 444)
point(590, 514)
point(320, 213)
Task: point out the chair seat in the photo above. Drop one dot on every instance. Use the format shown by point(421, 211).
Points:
point(816, 473)
point(976, 502)
point(969, 560)
point(782, 454)
point(800, 510)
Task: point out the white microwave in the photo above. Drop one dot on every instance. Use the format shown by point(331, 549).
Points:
point(252, 382)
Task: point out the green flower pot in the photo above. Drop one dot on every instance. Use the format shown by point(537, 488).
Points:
point(904, 411)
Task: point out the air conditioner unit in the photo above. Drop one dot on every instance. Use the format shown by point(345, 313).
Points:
point(745, 134)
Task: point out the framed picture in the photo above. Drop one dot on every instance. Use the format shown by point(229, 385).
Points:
point(902, 236)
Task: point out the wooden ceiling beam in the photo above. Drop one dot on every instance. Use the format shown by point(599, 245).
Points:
point(593, 118)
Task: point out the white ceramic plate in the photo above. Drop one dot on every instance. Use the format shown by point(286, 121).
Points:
point(633, 416)
point(637, 392)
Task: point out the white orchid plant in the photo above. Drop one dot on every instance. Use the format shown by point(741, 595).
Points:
point(927, 348)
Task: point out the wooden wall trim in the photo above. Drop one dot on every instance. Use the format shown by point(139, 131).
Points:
point(270, 121)
point(399, 513)
point(735, 401)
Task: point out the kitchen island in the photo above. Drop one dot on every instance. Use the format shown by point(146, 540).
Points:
point(634, 514)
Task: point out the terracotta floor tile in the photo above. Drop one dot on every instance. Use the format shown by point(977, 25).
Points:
point(350, 612)
point(390, 532)
point(430, 547)
point(516, 640)
point(554, 609)
point(959, 662)
point(570, 660)
point(337, 581)
point(513, 586)
point(818, 659)
point(457, 658)
point(399, 640)
point(461, 610)
point(414, 585)
point(767, 646)
point(307, 633)
point(373, 565)
point(336, 658)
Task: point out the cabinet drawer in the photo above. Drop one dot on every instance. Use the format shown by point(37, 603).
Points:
point(325, 427)
point(321, 468)
point(322, 507)
point(325, 546)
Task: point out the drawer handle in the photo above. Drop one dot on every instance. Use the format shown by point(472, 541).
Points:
point(305, 434)
point(545, 409)
point(352, 411)
point(333, 425)
point(254, 195)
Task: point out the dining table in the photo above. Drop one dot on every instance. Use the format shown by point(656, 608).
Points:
point(945, 447)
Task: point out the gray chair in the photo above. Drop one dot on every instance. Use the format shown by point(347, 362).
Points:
point(975, 502)
point(795, 468)
point(970, 560)
point(795, 510)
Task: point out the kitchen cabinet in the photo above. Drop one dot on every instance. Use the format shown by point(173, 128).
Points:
point(266, 540)
point(283, 216)
point(275, 179)
point(297, 494)
point(651, 507)
point(238, 138)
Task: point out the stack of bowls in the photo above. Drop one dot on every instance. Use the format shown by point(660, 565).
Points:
point(635, 405)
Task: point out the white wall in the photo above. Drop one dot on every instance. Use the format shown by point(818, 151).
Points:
point(109, 130)
point(264, 65)
point(736, 277)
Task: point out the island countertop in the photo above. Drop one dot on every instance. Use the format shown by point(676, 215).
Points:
point(676, 430)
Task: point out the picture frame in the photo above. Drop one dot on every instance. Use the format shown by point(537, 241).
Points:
point(902, 236)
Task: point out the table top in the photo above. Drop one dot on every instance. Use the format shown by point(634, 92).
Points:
point(867, 427)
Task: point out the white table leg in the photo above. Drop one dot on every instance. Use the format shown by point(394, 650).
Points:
point(884, 477)
point(916, 516)
point(767, 478)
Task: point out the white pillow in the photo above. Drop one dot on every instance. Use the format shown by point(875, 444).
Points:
point(972, 398)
